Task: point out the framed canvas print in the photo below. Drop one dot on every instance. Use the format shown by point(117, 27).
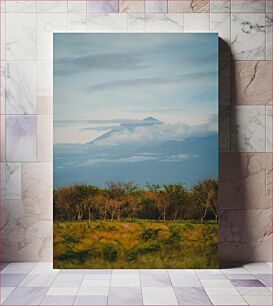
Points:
point(135, 150)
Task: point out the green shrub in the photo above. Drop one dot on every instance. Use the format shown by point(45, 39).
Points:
point(109, 252)
point(69, 238)
point(149, 234)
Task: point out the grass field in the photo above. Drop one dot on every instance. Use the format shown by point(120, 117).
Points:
point(135, 244)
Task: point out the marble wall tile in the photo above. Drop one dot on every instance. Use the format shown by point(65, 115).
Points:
point(44, 105)
point(102, 6)
point(220, 6)
point(268, 128)
point(77, 22)
point(77, 6)
point(37, 190)
point(21, 6)
point(131, 6)
point(160, 22)
point(44, 138)
point(3, 87)
point(3, 6)
point(44, 78)
point(224, 82)
point(220, 23)
point(248, 36)
point(156, 6)
point(21, 36)
point(58, 6)
point(12, 175)
point(20, 87)
point(188, 6)
point(244, 181)
point(3, 138)
point(268, 23)
point(100, 22)
point(136, 22)
point(248, 6)
point(248, 129)
point(3, 36)
point(196, 22)
point(47, 24)
point(224, 128)
point(269, 6)
point(245, 235)
point(20, 138)
point(251, 83)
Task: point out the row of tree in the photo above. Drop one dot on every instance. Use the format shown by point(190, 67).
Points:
point(127, 200)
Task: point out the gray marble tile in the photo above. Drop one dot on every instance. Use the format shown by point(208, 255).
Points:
point(21, 36)
point(248, 36)
point(248, 129)
point(3, 36)
point(155, 280)
point(269, 6)
point(136, 22)
point(18, 267)
point(3, 265)
point(196, 22)
point(125, 296)
point(90, 300)
point(11, 280)
point(76, 6)
point(248, 6)
point(20, 138)
point(102, 6)
point(66, 280)
point(12, 181)
point(192, 296)
point(58, 300)
point(44, 78)
point(159, 296)
point(268, 128)
point(20, 88)
point(38, 280)
point(77, 22)
point(106, 22)
point(266, 279)
point(220, 6)
point(26, 296)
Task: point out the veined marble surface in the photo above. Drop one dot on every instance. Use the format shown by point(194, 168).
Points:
point(245, 95)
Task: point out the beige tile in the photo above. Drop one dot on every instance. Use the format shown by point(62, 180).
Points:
point(44, 105)
point(131, 6)
point(188, 6)
point(44, 138)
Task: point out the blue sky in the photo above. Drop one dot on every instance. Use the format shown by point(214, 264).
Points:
point(100, 80)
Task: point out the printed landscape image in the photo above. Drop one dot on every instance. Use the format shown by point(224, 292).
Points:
point(135, 150)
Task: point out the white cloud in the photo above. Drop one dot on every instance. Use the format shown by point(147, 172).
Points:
point(130, 159)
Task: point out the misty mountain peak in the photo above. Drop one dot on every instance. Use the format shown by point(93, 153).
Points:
point(151, 119)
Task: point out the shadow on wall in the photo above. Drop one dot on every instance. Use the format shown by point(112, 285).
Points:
point(245, 196)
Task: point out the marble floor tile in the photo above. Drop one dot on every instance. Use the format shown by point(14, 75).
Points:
point(227, 300)
point(104, 276)
point(5, 292)
point(102, 6)
point(125, 296)
point(235, 271)
point(221, 291)
point(192, 296)
point(185, 281)
point(123, 280)
point(258, 299)
point(258, 268)
point(248, 36)
point(43, 267)
point(96, 283)
point(266, 279)
point(38, 280)
point(90, 291)
point(3, 265)
point(62, 291)
point(73, 271)
point(246, 283)
point(11, 280)
point(20, 267)
point(125, 271)
point(58, 300)
point(240, 276)
point(90, 300)
point(20, 138)
point(66, 280)
point(217, 283)
point(155, 280)
point(26, 296)
point(159, 296)
point(254, 291)
point(210, 275)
